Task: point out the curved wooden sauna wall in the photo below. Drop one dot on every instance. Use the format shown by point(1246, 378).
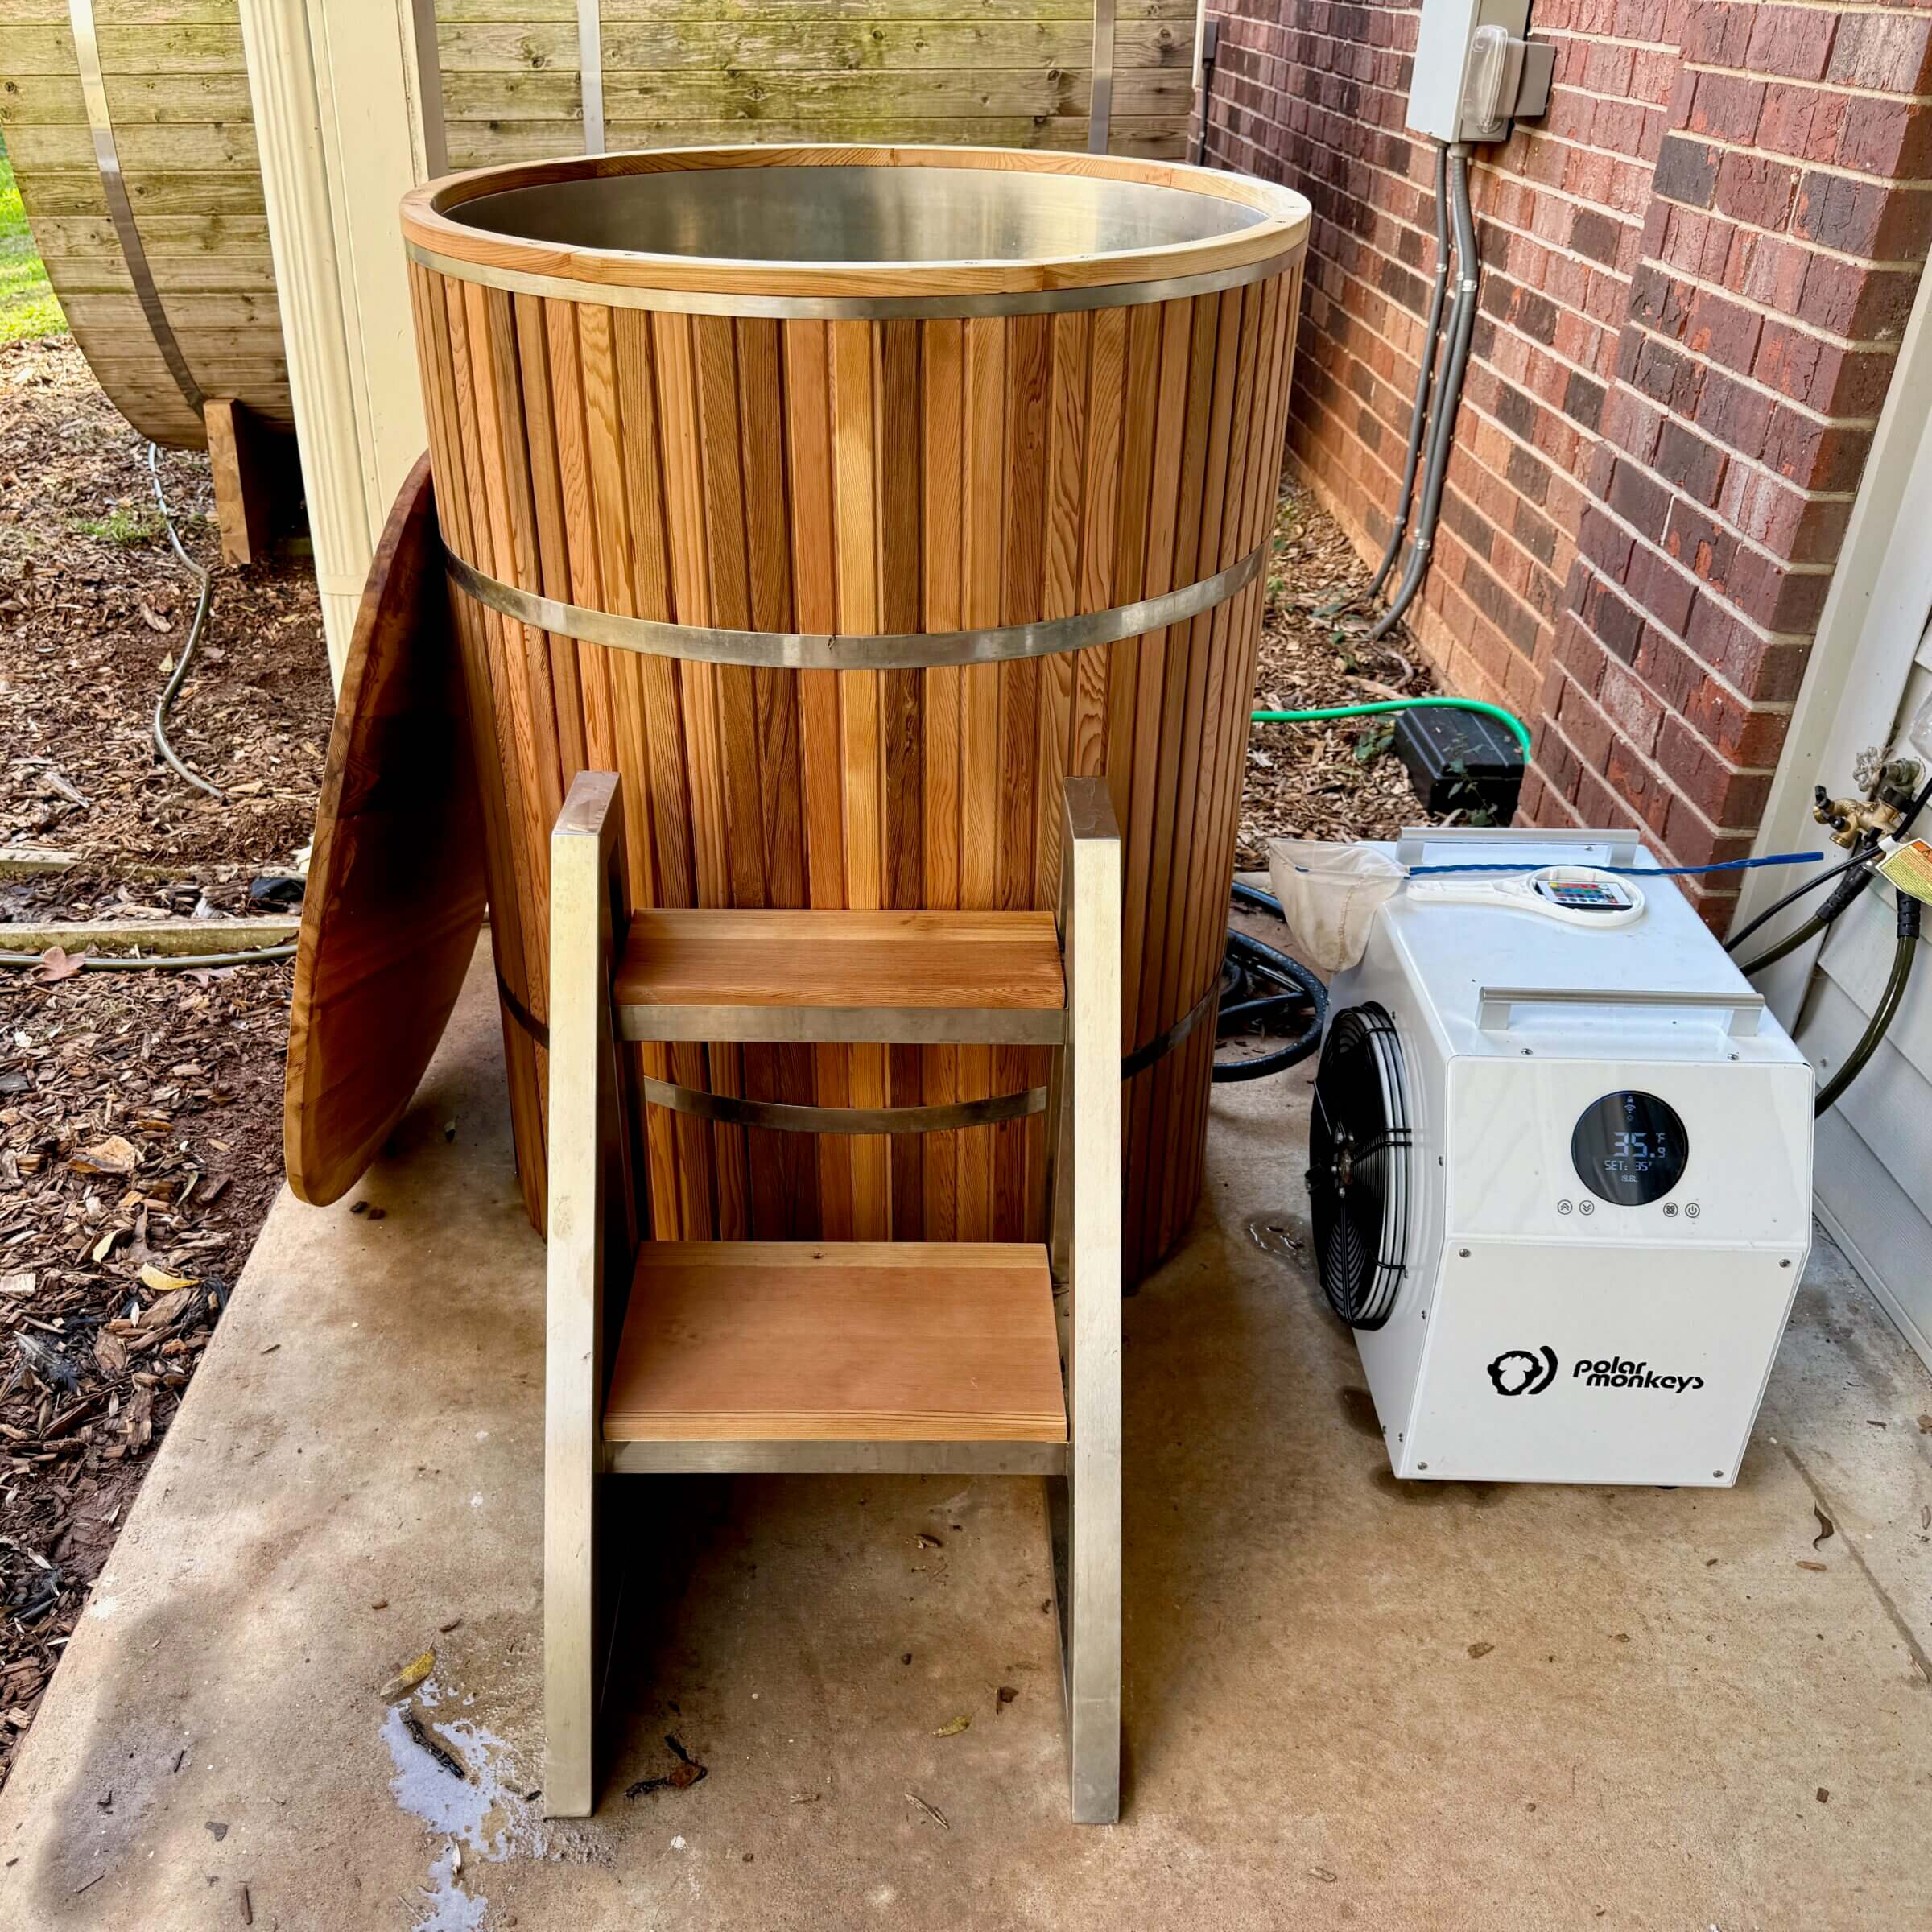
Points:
point(863, 476)
point(674, 73)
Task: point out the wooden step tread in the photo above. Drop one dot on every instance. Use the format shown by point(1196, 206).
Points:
point(795, 1341)
point(785, 974)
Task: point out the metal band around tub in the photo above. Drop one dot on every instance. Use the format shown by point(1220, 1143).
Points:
point(1164, 1043)
point(789, 1117)
point(113, 185)
point(853, 308)
point(889, 651)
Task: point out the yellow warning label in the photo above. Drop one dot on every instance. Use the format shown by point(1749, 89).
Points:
point(1909, 867)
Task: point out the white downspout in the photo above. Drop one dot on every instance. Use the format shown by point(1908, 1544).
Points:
point(339, 128)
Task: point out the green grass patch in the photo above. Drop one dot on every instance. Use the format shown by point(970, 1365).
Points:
point(122, 526)
point(28, 307)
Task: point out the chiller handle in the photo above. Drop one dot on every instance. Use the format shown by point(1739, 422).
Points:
point(1745, 1008)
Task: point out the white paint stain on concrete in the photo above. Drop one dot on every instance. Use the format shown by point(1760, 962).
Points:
point(485, 1813)
point(447, 1906)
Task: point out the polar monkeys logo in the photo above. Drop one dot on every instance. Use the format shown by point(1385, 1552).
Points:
point(1523, 1371)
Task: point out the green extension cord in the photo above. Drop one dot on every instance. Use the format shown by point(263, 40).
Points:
point(1362, 711)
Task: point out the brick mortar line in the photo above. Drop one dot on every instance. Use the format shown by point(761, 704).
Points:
point(1636, 221)
point(1820, 86)
point(1586, 147)
point(1767, 707)
point(1750, 543)
point(1782, 708)
point(1809, 6)
point(1491, 268)
point(1501, 635)
point(1760, 632)
point(1643, 833)
point(1509, 535)
point(1584, 94)
point(1561, 252)
point(1803, 166)
point(1664, 780)
point(1669, 783)
point(1404, 395)
point(1748, 381)
point(1863, 345)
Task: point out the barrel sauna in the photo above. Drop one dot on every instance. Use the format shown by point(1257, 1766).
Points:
point(160, 255)
point(843, 500)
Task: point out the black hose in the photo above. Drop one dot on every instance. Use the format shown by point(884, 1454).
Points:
point(1418, 412)
point(1790, 942)
point(1862, 857)
point(1890, 1001)
point(1442, 428)
point(1843, 894)
point(1260, 987)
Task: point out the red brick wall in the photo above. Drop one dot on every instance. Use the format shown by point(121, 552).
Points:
point(1695, 270)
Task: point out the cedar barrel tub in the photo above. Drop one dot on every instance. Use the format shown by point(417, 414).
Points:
point(999, 430)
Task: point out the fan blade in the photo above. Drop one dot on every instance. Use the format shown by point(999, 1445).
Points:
point(1345, 1262)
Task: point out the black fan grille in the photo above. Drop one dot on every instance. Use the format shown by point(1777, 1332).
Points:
point(1358, 1167)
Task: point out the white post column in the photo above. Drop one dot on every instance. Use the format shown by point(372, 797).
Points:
point(338, 127)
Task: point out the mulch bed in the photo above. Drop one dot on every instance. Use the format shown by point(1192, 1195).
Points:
point(86, 622)
point(1337, 780)
point(140, 1112)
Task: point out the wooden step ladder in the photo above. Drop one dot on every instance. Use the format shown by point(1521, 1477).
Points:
point(833, 1357)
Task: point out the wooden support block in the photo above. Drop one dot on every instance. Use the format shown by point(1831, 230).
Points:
point(243, 476)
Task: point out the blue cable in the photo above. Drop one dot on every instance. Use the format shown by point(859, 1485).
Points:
point(1770, 858)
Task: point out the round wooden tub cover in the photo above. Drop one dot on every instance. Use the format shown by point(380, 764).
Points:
point(395, 880)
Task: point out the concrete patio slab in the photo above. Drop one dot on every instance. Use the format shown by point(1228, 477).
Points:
point(1350, 1703)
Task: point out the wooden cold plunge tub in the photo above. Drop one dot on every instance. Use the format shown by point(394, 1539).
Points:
point(843, 499)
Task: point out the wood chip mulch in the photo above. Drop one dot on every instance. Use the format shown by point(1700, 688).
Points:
point(90, 624)
point(140, 1112)
point(1339, 779)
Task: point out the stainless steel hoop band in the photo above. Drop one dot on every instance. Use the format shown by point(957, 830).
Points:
point(790, 1118)
point(889, 650)
point(854, 308)
point(1164, 1043)
point(113, 185)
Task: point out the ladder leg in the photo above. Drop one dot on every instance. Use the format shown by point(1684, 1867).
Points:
point(579, 938)
point(1092, 867)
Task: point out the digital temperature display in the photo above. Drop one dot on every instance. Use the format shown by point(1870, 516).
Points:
point(1629, 1149)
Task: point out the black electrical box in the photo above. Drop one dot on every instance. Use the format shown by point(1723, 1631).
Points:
point(1460, 761)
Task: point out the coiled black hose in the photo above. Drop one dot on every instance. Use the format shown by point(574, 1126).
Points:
point(1260, 989)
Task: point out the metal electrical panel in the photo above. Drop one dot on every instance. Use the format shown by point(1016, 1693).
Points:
point(1475, 71)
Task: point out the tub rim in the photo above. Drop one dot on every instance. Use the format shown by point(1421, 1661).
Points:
point(721, 284)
